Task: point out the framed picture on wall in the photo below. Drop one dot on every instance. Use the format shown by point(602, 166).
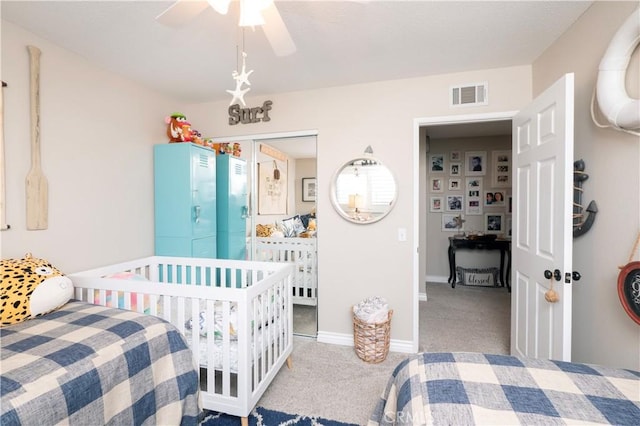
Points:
point(437, 185)
point(474, 207)
point(494, 198)
point(473, 195)
point(455, 156)
point(455, 203)
point(435, 204)
point(309, 189)
point(436, 163)
point(494, 223)
point(450, 222)
point(475, 163)
point(501, 169)
point(272, 193)
point(455, 185)
point(455, 169)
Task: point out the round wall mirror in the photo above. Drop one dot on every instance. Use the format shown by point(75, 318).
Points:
point(363, 190)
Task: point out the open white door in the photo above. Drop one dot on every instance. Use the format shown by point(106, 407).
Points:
point(543, 236)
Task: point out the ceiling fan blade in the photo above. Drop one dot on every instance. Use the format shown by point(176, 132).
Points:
point(276, 32)
point(181, 12)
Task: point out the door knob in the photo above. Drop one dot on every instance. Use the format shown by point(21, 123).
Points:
point(576, 275)
point(555, 274)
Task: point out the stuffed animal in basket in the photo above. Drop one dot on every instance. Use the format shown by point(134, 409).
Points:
point(31, 287)
point(178, 129)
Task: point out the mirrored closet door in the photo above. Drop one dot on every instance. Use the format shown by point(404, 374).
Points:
point(283, 225)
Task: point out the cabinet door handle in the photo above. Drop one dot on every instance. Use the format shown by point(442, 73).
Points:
point(196, 214)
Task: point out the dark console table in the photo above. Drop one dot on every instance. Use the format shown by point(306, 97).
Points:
point(480, 244)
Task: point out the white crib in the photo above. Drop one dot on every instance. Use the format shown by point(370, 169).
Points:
point(247, 308)
point(302, 252)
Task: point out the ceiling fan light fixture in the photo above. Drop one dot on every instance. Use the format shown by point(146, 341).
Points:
point(262, 4)
point(250, 14)
point(220, 6)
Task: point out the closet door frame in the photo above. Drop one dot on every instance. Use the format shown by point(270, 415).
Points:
point(254, 140)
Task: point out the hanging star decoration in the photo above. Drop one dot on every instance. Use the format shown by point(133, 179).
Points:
point(244, 76)
point(241, 79)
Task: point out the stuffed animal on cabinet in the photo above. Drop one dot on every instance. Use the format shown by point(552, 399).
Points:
point(178, 129)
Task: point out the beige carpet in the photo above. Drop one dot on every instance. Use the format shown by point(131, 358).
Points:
point(329, 381)
point(465, 319)
point(332, 382)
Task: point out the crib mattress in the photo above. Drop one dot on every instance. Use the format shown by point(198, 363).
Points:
point(219, 348)
point(218, 353)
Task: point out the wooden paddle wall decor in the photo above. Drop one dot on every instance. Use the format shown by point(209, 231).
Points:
point(36, 182)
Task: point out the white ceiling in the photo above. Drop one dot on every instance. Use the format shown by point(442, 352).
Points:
point(339, 42)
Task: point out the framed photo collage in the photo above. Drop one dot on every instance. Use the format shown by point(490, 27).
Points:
point(471, 183)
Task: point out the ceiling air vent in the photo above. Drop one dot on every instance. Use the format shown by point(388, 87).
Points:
point(470, 94)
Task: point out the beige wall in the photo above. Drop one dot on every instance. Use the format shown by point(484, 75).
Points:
point(602, 332)
point(305, 168)
point(97, 132)
point(357, 261)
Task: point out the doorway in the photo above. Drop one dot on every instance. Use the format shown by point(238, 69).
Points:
point(440, 127)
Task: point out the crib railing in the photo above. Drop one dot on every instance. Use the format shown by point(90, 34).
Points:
point(257, 295)
point(302, 253)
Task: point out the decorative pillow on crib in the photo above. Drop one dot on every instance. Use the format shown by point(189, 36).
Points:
point(292, 226)
point(134, 296)
point(31, 287)
point(305, 218)
point(218, 319)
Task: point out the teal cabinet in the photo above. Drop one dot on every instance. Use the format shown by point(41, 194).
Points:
point(185, 200)
point(232, 211)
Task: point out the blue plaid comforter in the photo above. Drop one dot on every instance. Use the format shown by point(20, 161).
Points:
point(472, 388)
point(90, 365)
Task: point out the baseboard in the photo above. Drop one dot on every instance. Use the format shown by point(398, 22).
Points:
point(422, 296)
point(404, 346)
point(436, 279)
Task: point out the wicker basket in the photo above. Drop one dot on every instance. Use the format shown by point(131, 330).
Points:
point(371, 340)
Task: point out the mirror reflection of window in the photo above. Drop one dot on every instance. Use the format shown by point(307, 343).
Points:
point(364, 190)
point(385, 188)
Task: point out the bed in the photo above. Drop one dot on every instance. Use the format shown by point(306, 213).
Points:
point(236, 316)
point(474, 388)
point(301, 252)
point(87, 364)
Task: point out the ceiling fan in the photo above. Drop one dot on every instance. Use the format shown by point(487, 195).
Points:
point(252, 13)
